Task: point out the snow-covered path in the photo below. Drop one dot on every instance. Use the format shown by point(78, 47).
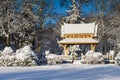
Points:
point(61, 72)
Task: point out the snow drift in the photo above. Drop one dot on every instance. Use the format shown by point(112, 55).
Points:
point(22, 57)
point(62, 72)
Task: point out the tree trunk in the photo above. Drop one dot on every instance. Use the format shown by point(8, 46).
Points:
point(7, 41)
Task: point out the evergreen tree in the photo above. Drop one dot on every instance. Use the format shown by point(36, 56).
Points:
point(75, 16)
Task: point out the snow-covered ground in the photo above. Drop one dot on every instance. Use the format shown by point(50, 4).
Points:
point(62, 72)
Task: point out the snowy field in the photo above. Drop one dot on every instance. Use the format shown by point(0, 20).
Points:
point(62, 72)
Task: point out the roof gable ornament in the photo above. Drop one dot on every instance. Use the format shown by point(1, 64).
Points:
point(85, 28)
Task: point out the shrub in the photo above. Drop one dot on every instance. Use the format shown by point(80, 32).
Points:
point(22, 57)
point(53, 59)
point(92, 58)
point(117, 59)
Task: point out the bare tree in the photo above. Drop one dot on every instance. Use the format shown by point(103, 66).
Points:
point(6, 17)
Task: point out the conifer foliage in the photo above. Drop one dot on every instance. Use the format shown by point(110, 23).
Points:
point(74, 14)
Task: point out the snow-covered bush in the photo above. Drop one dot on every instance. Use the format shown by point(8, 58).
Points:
point(92, 58)
point(111, 54)
point(53, 59)
point(22, 57)
point(47, 52)
point(6, 57)
point(7, 51)
point(24, 53)
point(117, 59)
point(50, 58)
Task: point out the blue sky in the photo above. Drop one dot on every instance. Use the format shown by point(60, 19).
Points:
point(86, 9)
point(58, 9)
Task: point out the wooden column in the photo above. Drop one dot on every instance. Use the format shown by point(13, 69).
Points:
point(66, 50)
point(93, 47)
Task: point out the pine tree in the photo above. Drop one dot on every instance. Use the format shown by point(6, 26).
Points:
point(75, 16)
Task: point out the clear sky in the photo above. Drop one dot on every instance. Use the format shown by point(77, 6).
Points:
point(58, 9)
point(86, 9)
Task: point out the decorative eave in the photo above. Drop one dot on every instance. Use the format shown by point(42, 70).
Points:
point(78, 41)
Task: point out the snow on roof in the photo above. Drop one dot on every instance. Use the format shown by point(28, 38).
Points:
point(78, 28)
point(78, 41)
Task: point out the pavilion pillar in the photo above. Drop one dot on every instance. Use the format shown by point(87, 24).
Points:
point(66, 50)
point(93, 47)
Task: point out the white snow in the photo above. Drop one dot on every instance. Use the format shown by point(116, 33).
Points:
point(62, 72)
point(92, 57)
point(79, 28)
point(7, 50)
point(117, 59)
point(112, 52)
point(52, 56)
point(24, 52)
point(47, 52)
point(22, 57)
point(93, 54)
